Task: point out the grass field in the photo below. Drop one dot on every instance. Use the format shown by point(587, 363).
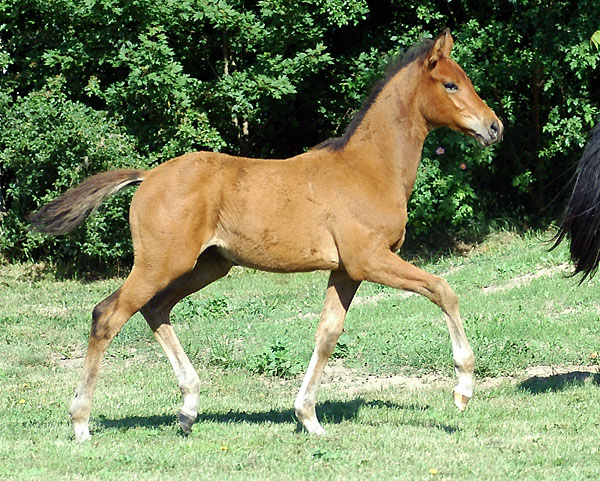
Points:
point(386, 403)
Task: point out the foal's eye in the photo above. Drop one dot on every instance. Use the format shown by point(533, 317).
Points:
point(451, 87)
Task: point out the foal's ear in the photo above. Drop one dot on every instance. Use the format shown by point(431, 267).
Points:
point(441, 47)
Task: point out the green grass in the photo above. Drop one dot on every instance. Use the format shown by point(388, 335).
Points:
point(532, 429)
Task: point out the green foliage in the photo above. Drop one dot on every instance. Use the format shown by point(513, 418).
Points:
point(595, 40)
point(180, 75)
point(222, 353)
point(271, 78)
point(277, 360)
point(341, 351)
point(443, 191)
point(49, 144)
point(216, 308)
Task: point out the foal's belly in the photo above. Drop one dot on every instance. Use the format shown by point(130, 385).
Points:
point(275, 251)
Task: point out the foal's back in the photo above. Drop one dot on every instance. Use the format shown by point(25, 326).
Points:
point(275, 215)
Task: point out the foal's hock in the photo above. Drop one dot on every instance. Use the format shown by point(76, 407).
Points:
point(339, 207)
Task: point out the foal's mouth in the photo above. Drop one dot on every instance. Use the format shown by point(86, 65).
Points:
point(481, 140)
point(485, 132)
point(493, 135)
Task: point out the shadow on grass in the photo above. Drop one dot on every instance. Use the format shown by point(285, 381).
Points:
point(330, 412)
point(558, 382)
point(137, 421)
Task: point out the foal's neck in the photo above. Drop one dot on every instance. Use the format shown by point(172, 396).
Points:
point(393, 130)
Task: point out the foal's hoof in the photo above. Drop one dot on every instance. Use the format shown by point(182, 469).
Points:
point(318, 431)
point(461, 401)
point(82, 434)
point(185, 421)
point(312, 427)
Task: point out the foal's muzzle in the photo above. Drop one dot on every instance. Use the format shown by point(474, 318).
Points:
point(493, 133)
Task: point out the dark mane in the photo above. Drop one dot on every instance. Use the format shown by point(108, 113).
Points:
point(397, 64)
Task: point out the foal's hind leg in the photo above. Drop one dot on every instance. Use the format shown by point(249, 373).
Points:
point(108, 318)
point(142, 284)
point(340, 291)
point(209, 268)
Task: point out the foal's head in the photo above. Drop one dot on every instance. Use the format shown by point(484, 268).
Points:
point(449, 99)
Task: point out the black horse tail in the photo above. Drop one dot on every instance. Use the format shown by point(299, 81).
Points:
point(582, 221)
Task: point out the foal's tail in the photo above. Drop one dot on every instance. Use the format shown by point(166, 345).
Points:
point(69, 210)
point(582, 221)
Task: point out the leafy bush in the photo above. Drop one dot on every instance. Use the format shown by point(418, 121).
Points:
point(271, 78)
point(48, 144)
point(277, 360)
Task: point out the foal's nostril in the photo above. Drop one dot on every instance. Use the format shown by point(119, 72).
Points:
point(494, 128)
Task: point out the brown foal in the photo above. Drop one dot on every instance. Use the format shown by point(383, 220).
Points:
point(339, 207)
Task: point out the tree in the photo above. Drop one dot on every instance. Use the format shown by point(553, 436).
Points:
point(271, 78)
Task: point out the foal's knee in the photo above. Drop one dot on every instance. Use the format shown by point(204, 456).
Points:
point(443, 295)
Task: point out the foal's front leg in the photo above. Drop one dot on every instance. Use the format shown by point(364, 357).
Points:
point(385, 267)
point(340, 291)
